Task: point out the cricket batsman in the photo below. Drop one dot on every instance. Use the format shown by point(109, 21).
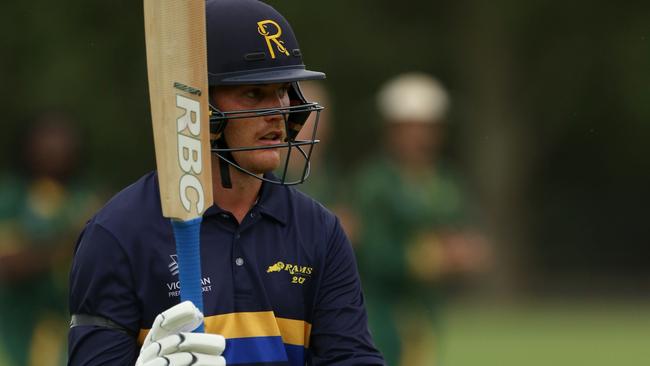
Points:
point(279, 280)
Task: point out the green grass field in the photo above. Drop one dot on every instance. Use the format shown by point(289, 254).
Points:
point(577, 333)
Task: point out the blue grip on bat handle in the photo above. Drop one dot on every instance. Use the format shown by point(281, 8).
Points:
point(188, 249)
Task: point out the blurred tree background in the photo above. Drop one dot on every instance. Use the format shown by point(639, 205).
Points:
point(550, 103)
point(549, 114)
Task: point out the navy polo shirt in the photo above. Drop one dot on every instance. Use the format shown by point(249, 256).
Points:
point(282, 287)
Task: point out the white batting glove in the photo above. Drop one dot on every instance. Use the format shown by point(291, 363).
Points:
point(169, 342)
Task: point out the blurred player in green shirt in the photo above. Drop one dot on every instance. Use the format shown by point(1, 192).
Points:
point(414, 229)
point(41, 211)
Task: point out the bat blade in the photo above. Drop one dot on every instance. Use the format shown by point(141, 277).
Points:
point(178, 91)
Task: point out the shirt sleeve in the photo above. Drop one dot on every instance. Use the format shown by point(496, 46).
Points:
point(340, 333)
point(93, 345)
point(101, 284)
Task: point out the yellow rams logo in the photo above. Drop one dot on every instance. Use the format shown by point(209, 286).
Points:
point(277, 267)
point(290, 268)
point(272, 38)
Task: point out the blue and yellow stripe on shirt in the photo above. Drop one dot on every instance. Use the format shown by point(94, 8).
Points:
point(258, 337)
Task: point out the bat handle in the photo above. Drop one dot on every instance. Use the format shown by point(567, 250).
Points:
point(188, 249)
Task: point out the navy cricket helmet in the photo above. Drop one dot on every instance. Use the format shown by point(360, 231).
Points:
point(250, 43)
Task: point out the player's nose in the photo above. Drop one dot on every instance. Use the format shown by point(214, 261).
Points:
point(276, 112)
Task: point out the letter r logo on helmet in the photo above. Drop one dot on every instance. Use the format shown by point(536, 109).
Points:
point(262, 29)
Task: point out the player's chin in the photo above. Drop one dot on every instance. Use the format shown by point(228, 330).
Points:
point(263, 161)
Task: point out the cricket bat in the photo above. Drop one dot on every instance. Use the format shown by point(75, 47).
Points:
point(178, 91)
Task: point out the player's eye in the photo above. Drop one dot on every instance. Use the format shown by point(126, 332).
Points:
point(254, 93)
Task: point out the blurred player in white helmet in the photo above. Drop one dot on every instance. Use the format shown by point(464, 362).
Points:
point(415, 232)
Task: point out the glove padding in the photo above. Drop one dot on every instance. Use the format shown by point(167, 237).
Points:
point(169, 342)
